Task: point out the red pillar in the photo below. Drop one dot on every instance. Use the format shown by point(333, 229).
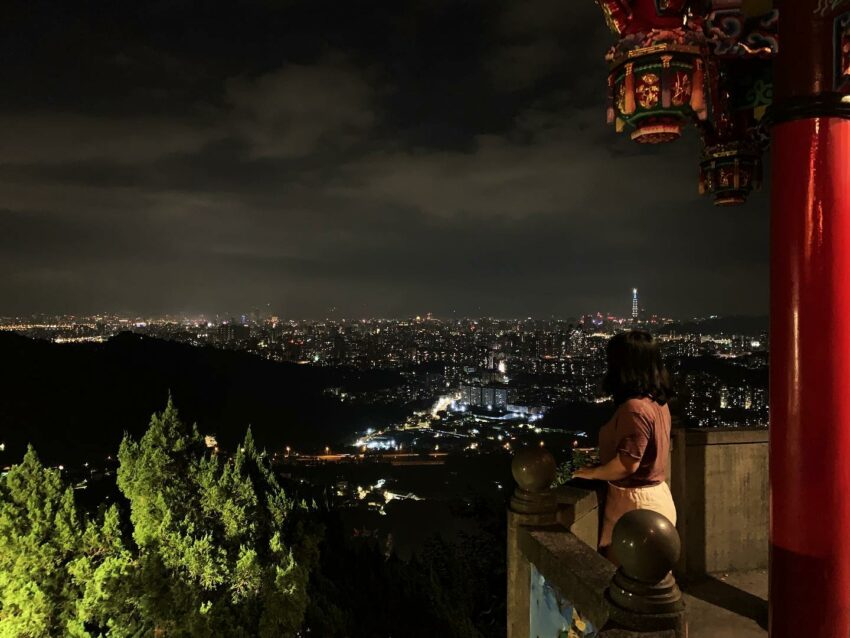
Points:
point(810, 335)
point(810, 380)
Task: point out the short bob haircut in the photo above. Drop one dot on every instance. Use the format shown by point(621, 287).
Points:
point(635, 369)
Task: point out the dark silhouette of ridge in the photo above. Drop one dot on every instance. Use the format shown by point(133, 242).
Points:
point(73, 402)
point(742, 325)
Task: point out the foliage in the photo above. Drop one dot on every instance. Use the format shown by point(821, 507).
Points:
point(200, 545)
point(454, 589)
point(40, 534)
point(579, 458)
point(210, 547)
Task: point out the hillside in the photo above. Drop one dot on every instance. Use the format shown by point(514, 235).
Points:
point(741, 325)
point(74, 401)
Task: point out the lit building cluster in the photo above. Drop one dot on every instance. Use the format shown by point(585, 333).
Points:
point(487, 366)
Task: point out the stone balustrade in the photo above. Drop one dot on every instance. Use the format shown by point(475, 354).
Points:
point(558, 585)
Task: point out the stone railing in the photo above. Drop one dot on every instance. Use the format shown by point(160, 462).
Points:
point(558, 585)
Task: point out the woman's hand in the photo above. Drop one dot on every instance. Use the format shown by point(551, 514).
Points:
point(587, 472)
point(620, 467)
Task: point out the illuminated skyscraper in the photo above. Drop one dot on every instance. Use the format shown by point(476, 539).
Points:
point(634, 304)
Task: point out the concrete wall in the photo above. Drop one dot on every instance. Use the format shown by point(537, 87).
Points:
point(578, 509)
point(720, 484)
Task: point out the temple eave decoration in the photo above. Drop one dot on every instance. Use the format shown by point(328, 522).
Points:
point(686, 62)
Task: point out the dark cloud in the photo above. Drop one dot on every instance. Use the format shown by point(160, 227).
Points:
point(377, 157)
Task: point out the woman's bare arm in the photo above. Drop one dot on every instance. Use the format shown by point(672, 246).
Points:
point(620, 467)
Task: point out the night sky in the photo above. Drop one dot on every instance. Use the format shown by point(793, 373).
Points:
point(344, 158)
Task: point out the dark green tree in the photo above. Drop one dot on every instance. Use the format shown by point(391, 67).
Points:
point(220, 549)
point(53, 558)
point(40, 535)
point(211, 546)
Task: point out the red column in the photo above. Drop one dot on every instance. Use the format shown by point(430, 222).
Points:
point(810, 335)
point(810, 379)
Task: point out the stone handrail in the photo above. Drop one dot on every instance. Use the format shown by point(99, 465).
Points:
point(558, 582)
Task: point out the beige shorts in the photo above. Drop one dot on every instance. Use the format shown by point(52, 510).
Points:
point(625, 499)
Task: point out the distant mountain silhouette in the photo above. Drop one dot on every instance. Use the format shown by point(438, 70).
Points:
point(74, 401)
point(741, 325)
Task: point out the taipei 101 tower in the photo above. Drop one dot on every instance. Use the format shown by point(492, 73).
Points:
point(634, 304)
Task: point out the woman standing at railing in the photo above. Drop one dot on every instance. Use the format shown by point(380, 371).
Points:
point(634, 445)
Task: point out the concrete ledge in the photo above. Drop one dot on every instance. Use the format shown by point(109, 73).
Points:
point(626, 633)
point(577, 571)
point(724, 436)
point(579, 495)
point(578, 509)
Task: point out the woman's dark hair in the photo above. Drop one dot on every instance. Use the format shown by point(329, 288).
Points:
point(635, 369)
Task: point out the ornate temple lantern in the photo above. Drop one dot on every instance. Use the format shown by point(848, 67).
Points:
point(734, 138)
point(730, 171)
point(656, 83)
point(681, 61)
point(656, 90)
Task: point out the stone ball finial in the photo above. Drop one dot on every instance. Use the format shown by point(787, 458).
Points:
point(534, 469)
point(646, 544)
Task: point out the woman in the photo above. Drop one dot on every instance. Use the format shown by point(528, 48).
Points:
point(634, 445)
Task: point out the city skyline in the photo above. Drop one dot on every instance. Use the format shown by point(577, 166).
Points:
point(392, 369)
point(631, 311)
point(384, 159)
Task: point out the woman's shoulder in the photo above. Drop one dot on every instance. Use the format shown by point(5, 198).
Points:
point(641, 405)
point(644, 407)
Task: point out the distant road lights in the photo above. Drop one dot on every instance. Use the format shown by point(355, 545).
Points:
point(542, 444)
point(327, 450)
point(2, 447)
point(288, 450)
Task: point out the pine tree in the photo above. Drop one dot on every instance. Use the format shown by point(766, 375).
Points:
point(40, 535)
point(221, 548)
point(211, 546)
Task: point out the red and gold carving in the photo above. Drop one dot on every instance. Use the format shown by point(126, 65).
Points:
point(648, 90)
point(681, 90)
point(725, 177)
point(621, 98)
point(844, 54)
point(657, 131)
point(617, 14)
point(629, 93)
point(730, 172)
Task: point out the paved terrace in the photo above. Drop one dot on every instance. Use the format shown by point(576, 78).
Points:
point(730, 605)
